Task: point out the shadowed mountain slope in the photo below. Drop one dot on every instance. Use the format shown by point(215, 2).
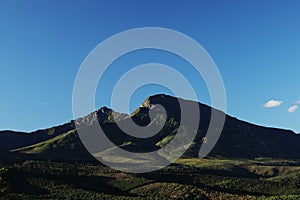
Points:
point(239, 139)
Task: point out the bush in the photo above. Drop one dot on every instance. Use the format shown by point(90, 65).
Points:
point(3, 184)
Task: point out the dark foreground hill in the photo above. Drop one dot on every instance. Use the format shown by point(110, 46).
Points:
point(239, 139)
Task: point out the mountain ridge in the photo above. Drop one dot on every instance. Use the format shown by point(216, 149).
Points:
point(238, 139)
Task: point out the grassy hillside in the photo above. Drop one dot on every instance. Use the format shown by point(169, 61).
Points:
point(66, 146)
point(10, 140)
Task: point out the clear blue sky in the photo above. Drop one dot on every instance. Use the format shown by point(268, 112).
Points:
point(255, 44)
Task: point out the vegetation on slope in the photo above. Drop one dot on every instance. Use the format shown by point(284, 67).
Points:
point(187, 179)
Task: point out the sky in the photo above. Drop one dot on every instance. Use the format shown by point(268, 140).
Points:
point(255, 45)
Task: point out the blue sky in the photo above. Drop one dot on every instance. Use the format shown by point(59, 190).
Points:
point(255, 44)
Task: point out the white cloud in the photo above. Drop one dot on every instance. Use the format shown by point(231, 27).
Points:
point(272, 103)
point(292, 108)
point(298, 102)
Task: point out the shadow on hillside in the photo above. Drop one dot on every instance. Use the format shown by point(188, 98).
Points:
point(37, 183)
point(200, 177)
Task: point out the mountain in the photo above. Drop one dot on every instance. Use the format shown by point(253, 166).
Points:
point(239, 139)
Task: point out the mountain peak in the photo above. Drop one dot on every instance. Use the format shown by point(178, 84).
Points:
point(104, 111)
point(102, 115)
point(161, 99)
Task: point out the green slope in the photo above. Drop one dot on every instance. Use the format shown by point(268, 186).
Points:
point(66, 146)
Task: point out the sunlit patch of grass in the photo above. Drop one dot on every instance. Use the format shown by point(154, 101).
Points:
point(213, 164)
point(165, 141)
point(45, 145)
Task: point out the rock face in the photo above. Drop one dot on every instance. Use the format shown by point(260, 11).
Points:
point(239, 139)
point(103, 115)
